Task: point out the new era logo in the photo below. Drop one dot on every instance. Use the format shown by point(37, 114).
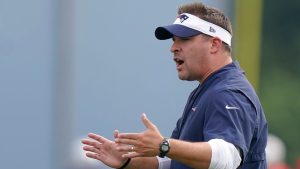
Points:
point(211, 29)
point(183, 17)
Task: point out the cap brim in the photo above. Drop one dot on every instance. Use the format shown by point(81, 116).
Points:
point(167, 32)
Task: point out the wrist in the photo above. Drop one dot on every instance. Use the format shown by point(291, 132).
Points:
point(125, 164)
point(164, 147)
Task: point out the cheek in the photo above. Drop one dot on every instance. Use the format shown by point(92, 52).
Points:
point(196, 63)
point(200, 55)
point(195, 58)
point(192, 66)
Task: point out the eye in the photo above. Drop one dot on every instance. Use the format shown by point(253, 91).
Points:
point(181, 39)
point(185, 39)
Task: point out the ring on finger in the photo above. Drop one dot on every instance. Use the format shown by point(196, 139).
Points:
point(132, 148)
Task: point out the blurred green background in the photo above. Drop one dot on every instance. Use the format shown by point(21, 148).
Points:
point(279, 89)
point(267, 44)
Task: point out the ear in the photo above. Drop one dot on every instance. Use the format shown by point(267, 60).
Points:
point(216, 45)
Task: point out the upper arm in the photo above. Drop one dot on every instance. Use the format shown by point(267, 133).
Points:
point(230, 116)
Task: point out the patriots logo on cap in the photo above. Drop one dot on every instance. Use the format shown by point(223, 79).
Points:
point(183, 17)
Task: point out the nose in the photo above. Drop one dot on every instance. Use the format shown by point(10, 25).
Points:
point(174, 47)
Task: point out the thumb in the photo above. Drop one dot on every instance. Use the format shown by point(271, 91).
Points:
point(147, 122)
point(116, 133)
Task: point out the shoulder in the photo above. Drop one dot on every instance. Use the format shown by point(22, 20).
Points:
point(221, 94)
point(226, 100)
point(228, 89)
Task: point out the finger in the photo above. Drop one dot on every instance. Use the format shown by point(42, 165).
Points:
point(93, 155)
point(88, 142)
point(97, 137)
point(126, 141)
point(132, 155)
point(147, 122)
point(125, 148)
point(116, 133)
point(91, 143)
point(91, 149)
point(133, 136)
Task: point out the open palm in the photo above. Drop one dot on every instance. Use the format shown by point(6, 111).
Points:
point(103, 150)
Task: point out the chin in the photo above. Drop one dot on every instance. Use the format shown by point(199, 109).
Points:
point(186, 78)
point(181, 77)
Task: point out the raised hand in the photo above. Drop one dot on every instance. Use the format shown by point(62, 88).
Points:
point(145, 144)
point(104, 150)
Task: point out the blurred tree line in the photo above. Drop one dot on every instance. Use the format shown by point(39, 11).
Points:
point(280, 72)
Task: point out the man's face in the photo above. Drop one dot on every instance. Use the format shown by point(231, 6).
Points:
point(191, 56)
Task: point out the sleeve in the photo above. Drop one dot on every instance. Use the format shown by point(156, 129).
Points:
point(230, 115)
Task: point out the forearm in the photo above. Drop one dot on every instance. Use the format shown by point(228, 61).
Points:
point(195, 155)
point(143, 162)
point(216, 153)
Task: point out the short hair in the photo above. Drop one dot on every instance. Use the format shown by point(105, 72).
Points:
point(209, 14)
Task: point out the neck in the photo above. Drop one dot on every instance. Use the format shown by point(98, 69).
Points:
point(215, 67)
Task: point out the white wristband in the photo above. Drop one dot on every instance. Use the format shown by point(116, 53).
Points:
point(164, 163)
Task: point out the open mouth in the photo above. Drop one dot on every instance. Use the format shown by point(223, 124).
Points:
point(178, 61)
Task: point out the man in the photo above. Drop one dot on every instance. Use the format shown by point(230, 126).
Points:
point(223, 125)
